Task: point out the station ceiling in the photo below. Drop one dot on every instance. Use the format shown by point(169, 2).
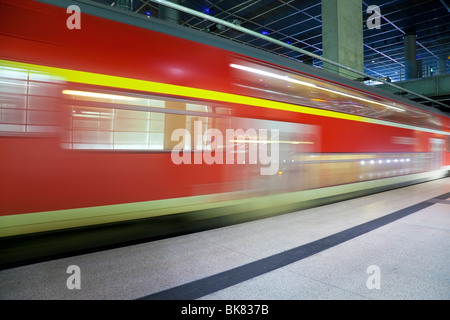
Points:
point(299, 23)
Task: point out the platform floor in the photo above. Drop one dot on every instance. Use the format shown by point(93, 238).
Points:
point(390, 245)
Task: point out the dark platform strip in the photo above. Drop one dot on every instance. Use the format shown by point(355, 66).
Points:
point(202, 287)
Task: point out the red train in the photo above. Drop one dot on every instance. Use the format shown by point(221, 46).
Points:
point(146, 128)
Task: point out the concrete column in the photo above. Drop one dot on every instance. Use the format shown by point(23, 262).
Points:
point(342, 35)
point(169, 14)
point(442, 65)
point(410, 57)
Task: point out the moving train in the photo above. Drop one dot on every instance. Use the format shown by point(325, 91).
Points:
point(131, 128)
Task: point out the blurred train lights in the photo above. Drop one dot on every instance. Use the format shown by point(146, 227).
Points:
point(272, 75)
point(9, 83)
point(97, 95)
point(364, 162)
point(270, 141)
point(93, 114)
point(362, 99)
point(303, 83)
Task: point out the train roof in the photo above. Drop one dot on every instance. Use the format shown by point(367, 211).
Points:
point(179, 31)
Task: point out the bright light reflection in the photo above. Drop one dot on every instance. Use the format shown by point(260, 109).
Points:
point(272, 75)
point(96, 95)
point(270, 141)
point(286, 78)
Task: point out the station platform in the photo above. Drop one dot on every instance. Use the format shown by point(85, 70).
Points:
point(393, 245)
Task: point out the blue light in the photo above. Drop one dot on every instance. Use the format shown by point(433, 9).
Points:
point(288, 42)
point(264, 32)
point(206, 10)
point(148, 13)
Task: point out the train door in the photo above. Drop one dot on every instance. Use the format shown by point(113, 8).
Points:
point(437, 153)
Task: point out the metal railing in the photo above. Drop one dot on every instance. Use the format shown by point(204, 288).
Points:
point(293, 48)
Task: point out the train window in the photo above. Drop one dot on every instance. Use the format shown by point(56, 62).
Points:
point(108, 128)
point(198, 107)
point(126, 121)
point(267, 82)
point(28, 106)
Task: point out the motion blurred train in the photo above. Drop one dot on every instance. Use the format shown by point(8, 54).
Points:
point(88, 151)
